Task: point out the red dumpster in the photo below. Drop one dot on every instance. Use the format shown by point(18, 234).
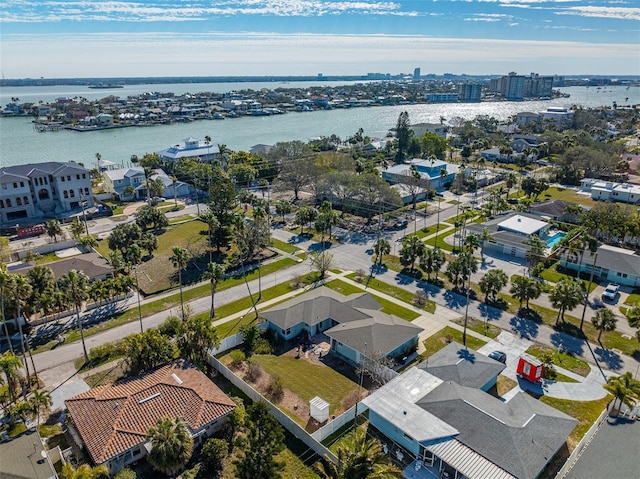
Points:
point(530, 368)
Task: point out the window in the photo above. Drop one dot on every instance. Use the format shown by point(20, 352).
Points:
point(406, 436)
point(18, 201)
point(621, 275)
point(15, 185)
point(8, 203)
point(72, 193)
point(86, 191)
point(84, 176)
point(26, 200)
point(68, 177)
point(77, 177)
point(65, 194)
point(22, 184)
point(62, 179)
point(1, 204)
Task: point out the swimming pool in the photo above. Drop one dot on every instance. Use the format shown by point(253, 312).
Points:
point(552, 241)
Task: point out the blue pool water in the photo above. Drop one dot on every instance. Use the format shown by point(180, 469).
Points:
point(552, 241)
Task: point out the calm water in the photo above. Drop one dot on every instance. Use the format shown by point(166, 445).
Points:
point(20, 143)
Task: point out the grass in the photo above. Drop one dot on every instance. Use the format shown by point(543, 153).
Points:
point(180, 219)
point(108, 376)
point(429, 230)
point(504, 384)
point(439, 340)
point(586, 412)
point(552, 275)
point(171, 207)
point(284, 246)
point(633, 298)
point(388, 307)
point(46, 258)
point(116, 206)
point(566, 194)
point(440, 242)
point(482, 327)
point(561, 359)
point(398, 293)
point(307, 380)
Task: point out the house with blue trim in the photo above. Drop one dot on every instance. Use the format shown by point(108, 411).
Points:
point(357, 328)
point(434, 174)
point(610, 263)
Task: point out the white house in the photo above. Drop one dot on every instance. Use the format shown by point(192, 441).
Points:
point(192, 148)
point(611, 191)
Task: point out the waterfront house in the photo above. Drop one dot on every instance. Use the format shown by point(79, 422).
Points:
point(112, 421)
point(419, 129)
point(356, 327)
point(525, 117)
point(115, 182)
point(612, 264)
point(434, 174)
point(521, 142)
point(454, 431)
point(36, 191)
point(192, 148)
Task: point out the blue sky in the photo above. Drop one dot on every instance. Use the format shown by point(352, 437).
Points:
point(75, 38)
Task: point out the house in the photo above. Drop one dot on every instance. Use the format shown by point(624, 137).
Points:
point(357, 329)
point(192, 148)
point(434, 174)
point(419, 129)
point(91, 264)
point(525, 117)
point(611, 191)
point(454, 430)
point(609, 263)
point(115, 182)
point(112, 421)
point(555, 210)
point(511, 232)
point(24, 457)
point(35, 191)
point(521, 142)
point(558, 115)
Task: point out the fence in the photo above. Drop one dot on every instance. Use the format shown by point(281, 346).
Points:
point(234, 341)
point(584, 442)
point(334, 425)
point(27, 247)
point(288, 423)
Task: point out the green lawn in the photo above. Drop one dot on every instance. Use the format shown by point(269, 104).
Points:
point(439, 340)
point(180, 219)
point(586, 412)
point(552, 275)
point(566, 194)
point(398, 293)
point(308, 380)
point(46, 258)
point(387, 306)
point(561, 359)
point(283, 246)
point(633, 298)
point(440, 242)
point(479, 326)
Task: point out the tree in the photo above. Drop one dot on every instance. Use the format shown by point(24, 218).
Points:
point(535, 253)
point(322, 262)
point(10, 365)
point(252, 237)
point(250, 335)
point(485, 237)
point(196, 336)
point(5, 248)
point(525, 289)
point(148, 242)
point(77, 228)
point(74, 284)
point(53, 229)
point(432, 261)
point(633, 318)
point(179, 259)
point(171, 445)
point(361, 458)
point(84, 471)
point(326, 219)
point(263, 439)
point(380, 248)
point(41, 403)
point(215, 273)
point(604, 320)
point(223, 200)
point(460, 269)
point(22, 411)
point(566, 295)
point(624, 389)
point(492, 282)
point(123, 236)
point(42, 283)
point(128, 191)
point(148, 216)
point(283, 208)
point(213, 456)
point(21, 296)
point(411, 250)
point(305, 215)
point(144, 351)
point(403, 134)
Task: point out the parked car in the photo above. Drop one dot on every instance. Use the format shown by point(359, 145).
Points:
point(611, 292)
point(498, 356)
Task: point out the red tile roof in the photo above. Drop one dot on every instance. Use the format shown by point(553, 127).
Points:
point(117, 417)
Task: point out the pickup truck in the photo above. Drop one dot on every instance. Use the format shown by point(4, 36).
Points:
point(611, 292)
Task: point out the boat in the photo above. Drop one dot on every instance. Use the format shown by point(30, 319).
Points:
point(104, 86)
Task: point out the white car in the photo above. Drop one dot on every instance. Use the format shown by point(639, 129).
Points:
point(611, 292)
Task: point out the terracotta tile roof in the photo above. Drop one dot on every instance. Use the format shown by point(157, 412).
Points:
point(116, 417)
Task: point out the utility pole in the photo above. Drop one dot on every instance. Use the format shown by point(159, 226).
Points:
point(135, 269)
point(355, 417)
point(586, 296)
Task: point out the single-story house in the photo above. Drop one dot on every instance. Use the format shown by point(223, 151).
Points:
point(91, 264)
point(555, 210)
point(456, 363)
point(612, 264)
point(355, 325)
point(511, 232)
point(24, 457)
point(434, 174)
point(459, 431)
point(112, 421)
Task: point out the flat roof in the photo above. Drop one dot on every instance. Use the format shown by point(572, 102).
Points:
point(522, 224)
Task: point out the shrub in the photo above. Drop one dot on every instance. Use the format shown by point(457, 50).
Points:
point(360, 275)
point(262, 346)
point(126, 473)
point(275, 389)
point(105, 352)
point(214, 453)
point(237, 357)
point(420, 298)
point(297, 282)
point(254, 372)
point(170, 326)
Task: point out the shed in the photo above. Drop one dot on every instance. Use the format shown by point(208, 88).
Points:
point(319, 409)
point(530, 368)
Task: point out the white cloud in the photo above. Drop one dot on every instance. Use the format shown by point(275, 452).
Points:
point(620, 13)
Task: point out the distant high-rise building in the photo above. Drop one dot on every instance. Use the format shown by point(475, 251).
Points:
point(537, 86)
point(469, 92)
point(416, 73)
point(558, 80)
point(512, 87)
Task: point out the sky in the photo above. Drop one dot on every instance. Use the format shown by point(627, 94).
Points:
point(80, 38)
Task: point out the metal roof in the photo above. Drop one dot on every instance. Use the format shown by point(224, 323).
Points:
point(467, 461)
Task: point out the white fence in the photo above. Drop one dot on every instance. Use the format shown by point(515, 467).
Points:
point(584, 442)
point(26, 246)
point(234, 341)
point(334, 425)
point(288, 423)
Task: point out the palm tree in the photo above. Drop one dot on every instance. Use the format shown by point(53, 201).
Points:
point(380, 248)
point(623, 388)
point(53, 229)
point(171, 445)
point(6, 285)
point(431, 261)
point(41, 403)
point(492, 282)
point(215, 272)
point(361, 459)
point(179, 260)
point(485, 237)
point(10, 366)
point(174, 182)
point(566, 294)
point(84, 472)
point(22, 294)
point(524, 289)
point(604, 320)
point(75, 286)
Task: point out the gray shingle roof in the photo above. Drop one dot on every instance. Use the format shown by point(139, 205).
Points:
point(615, 259)
point(463, 366)
point(520, 436)
point(49, 167)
